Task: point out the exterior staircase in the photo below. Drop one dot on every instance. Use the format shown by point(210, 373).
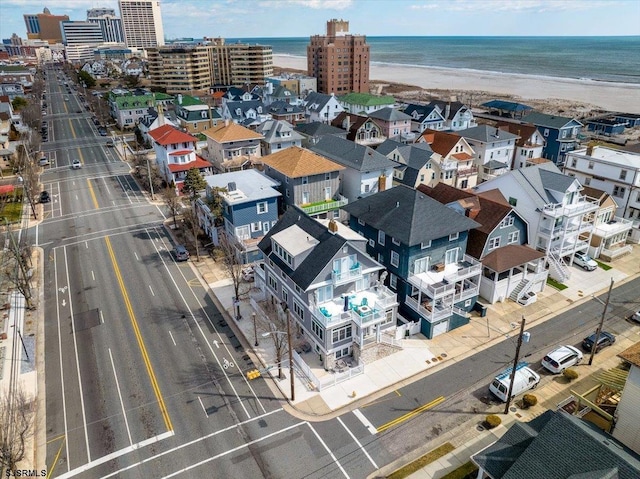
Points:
point(520, 290)
point(557, 267)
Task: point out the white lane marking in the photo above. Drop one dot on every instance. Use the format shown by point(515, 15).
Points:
point(64, 406)
point(136, 255)
point(93, 276)
point(203, 408)
point(37, 225)
point(230, 451)
point(101, 317)
point(124, 412)
point(174, 341)
point(186, 444)
point(86, 244)
point(116, 454)
point(75, 347)
point(359, 445)
point(151, 289)
point(365, 421)
point(215, 343)
point(335, 459)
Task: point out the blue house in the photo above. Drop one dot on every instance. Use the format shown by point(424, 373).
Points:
point(606, 126)
point(422, 244)
point(250, 210)
point(630, 119)
point(560, 133)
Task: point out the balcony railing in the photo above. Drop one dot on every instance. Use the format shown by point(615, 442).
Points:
point(341, 277)
point(613, 253)
point(613, 227)
point(324, 206)
point(468, 171)
point(585, 204)
point(378, 300)
point(429, 311)
point(469, 266)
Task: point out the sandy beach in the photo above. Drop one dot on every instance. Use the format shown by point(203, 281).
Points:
point(608, 96)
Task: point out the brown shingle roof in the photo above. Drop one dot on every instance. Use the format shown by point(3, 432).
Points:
point(223, 133)
point(441, 142)
point(296, 162)
point(632, 354)
point(510, 256)
point(524, 131)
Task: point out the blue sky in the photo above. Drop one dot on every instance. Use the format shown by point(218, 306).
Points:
point(301, 18)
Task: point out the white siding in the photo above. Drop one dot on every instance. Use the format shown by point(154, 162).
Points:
point(627, 428)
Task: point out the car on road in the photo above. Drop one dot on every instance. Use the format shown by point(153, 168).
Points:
point(44, 197)
point(66, 98)
point(561, 358)
point(76, 164)
point(605, 339)
point(635, 316)
point(102, 131)
point(110, 142)
point(181, 253)
point(524, 379)
point(584, 261)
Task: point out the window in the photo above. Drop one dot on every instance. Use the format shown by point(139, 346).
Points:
point(327, 176)
point(317, 329)
point(372, 243)
point(494, 243)
point(587, 181)
point(508, 221)
point(262, 207)
point(514, 236)
point(282, 253)
point(467, 303)
point(255, 226)
point(393, 281)
point(381, 237)
point(342, 353)
point(305, 180)
point(623, 175)
point(297, 308)
point(425, 245)
point(285, 295)
point(513, 201)
point(590, 166)
point(341, 334)
point(421, 265)
point(545, 132)
point(453, 236)
point(395, 259)
point(380, 258)
point(395, 241)
point(618, 191)
point(574, 162)
point(273, 283)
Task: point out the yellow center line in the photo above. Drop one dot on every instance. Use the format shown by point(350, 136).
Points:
point(55, 461)
point(73, 132)
point(93, 195)
point(411, 414)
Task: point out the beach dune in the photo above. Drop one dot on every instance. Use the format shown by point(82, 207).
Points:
point(622, 97)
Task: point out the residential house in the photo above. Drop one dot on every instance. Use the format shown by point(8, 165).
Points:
point(452, 158)
point(425, 117)
point(128, 107)
point(248, 113)
point(154, 118)
point(606, 126)
point(457, 116)
point(510, 269)
point(529, 144)
point(610, 232)
point(422, 244)
point(281, 110)
point(560, 134)
point(360, 129)
point(493, 149)
point(297, 83)
point(278, 93)
point(231, 146)
point(193, 115)
point(321, 108)
point(366, 171)
point(615, 171)
point(413, 162)
point(557, 445)
point(278, 135)
point(329, 285)
point(395, 124)
point(507, 108)
point(627, 412)
point(312, 132)
point(176, 155)
point(238, 94)
point(307, 180)
point(560, 217)
point(365, 103)
point(630, 119)
point(250, 210)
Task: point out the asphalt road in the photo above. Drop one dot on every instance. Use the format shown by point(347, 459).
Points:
point(142, 378)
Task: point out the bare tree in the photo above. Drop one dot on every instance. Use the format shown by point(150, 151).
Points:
point(17, 269)
point(190, 219)
point(173, 202)
point(275, 323)
point(16, 426)
point(228, 252)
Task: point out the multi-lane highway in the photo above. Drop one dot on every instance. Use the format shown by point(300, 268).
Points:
point(141, 377)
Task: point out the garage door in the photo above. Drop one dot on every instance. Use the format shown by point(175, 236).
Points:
point(440, 327)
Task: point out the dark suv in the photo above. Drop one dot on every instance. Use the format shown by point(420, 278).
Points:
point(605, 339)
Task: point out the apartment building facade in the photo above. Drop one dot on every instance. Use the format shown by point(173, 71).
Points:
point(142, 23)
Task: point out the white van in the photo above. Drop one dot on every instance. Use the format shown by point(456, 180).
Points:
point(525, 379)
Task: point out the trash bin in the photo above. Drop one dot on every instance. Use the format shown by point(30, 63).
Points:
point(480, 308)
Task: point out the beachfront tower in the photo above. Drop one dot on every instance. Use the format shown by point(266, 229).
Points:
point(339, 60)
point(142, 23)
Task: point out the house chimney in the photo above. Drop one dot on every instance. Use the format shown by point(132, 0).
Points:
point(447, 110)
point(226, 122)
point(333, 227)
point(382, 182)
point(590, 149)
point(160, 116)
point(179, 98)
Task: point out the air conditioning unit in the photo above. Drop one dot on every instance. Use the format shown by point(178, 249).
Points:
point(438, 267)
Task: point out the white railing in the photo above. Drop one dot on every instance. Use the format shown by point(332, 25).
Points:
point(338, 378)
point(340, 277)
point(306, 370)
point(560, 266)
point(391, 341)
point(616, 252)
point(432, 315)
point(583, 205)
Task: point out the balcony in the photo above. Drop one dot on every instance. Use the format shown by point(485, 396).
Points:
point(324, 206)
point(346, 276)
point(464, 172)
point(363, 308)
point(440, 282)
point(585, 204)
point(613, 227)
point(428, 310)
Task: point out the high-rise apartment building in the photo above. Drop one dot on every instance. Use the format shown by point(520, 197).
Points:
point(110, 25)
point(142, 23)
point(44, 26)
point(80, 38)
point(195, 68)
point(339, 60)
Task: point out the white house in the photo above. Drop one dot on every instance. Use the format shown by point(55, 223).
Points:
point(321, 108)
point(529, 144)
point(493, 149)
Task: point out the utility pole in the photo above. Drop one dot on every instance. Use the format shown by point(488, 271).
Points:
point(594, 347)
point(515, 364)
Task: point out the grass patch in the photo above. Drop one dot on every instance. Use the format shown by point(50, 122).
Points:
point(559, 286)
point(604, 266)
point(467, 471)
point(11, 212)
point(422, 461)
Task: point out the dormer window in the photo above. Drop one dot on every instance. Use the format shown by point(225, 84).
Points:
point(282, 253)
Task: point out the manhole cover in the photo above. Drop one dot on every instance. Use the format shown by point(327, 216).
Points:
point(513, 409)
point(444, 355)
point(479, 427)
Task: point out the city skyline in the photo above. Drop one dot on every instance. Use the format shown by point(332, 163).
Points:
point(301, 18)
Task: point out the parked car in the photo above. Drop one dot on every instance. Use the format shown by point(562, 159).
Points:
point(635, 316)
point(110, 142)
point(605, 339)
point(181, 253)
point(102, 131)
point(524, 379)
point(44, 197)
point(562, 358)
point(584, 261)
point(76, 164)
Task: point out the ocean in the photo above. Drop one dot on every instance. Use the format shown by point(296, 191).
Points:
point(611, 59)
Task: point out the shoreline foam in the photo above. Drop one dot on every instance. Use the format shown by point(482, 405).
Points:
point(623, 97)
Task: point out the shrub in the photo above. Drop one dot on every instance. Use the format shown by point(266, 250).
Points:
point(529, 400)
point(492, 421)
point(570, 374)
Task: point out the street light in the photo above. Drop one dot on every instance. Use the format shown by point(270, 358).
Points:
point(288, 333)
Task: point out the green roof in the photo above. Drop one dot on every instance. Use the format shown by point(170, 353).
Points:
point(366, 99)
point(187, 100)
point(127, 102)
point(163, 96)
